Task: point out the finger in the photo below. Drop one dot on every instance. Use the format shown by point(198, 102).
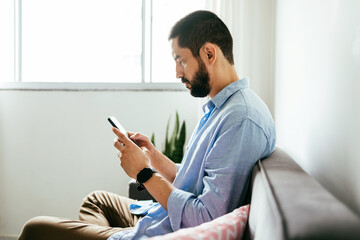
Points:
point(130, 133)
point(138, 137)
point(121, 136)
point(119, 145)
point(134, 136)
point(119, 141)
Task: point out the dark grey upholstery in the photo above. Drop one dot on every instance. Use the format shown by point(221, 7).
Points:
point(287, 203)
point(134, 193)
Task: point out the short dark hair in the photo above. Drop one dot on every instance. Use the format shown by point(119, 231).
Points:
point(199, 27)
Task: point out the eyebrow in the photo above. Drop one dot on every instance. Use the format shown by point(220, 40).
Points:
point(176, 57)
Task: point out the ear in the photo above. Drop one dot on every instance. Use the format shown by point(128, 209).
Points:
point(209, 53)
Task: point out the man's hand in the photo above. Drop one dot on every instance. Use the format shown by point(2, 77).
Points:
point(162, 164)
point(144, 142)
point(133, 158)
point(136, 157)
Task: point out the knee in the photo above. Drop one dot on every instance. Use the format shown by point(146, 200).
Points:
point(94, 196)
point(33, 228)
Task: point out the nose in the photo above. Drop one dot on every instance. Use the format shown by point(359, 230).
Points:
point(179, 71)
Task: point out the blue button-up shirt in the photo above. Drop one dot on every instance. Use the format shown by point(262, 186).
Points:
point(237, 129)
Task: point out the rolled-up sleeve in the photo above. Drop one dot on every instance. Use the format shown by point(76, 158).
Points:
point(227, 167)
point(176, 203)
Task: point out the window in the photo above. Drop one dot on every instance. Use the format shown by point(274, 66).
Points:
point(81, 41)
point(89, 41)
point(165, 14)
point(6, 40)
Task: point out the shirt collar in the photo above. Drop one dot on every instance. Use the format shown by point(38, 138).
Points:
point(224, 94)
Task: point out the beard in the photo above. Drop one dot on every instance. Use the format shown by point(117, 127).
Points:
point(200, 86)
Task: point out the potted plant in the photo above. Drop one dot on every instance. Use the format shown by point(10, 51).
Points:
point(174, 146)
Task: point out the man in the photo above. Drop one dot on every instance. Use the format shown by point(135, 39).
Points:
point(236, 131)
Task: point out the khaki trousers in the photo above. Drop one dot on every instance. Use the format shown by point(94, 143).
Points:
point(101, 215)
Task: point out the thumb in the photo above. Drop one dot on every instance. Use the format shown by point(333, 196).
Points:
point(137, 137)
point(145, 150)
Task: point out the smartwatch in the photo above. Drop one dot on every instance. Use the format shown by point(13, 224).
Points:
point(143, 176)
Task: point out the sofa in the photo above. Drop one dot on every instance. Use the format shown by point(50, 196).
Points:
point(287, 203)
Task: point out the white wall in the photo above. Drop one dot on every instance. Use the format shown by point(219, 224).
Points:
point(56, 147)
point(251, 23)
point(317, 109)
point(255, 49)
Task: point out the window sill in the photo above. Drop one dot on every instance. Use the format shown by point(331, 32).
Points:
point(47, 86)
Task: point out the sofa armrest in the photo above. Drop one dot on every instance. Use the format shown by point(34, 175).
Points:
point(287, 203)
point(136, 194)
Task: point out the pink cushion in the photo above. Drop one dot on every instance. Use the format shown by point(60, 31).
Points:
point(229, 226)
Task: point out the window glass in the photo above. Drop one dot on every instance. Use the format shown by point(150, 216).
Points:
point(165, 15)
point(7, 40)
point(81, 41)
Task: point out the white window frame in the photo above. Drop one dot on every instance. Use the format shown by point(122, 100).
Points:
point(146, 82)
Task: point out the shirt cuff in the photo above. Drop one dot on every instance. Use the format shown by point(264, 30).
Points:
point(175, 205)
point(142, 207)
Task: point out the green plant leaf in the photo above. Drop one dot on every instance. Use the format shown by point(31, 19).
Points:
point(175, 133)
point(182, 134)
point(167, 150)
point(174, 147)
point(178, 152)
point(153, 139)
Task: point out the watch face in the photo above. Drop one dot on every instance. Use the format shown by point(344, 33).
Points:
point(144, 175)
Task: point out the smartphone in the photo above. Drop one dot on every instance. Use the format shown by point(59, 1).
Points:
point(115, 123)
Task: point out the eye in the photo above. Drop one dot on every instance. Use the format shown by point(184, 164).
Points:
point(181, 62)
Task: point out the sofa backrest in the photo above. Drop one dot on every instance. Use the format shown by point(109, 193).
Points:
point(287, 203)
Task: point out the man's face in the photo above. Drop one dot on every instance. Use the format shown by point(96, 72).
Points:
point(191, 70)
